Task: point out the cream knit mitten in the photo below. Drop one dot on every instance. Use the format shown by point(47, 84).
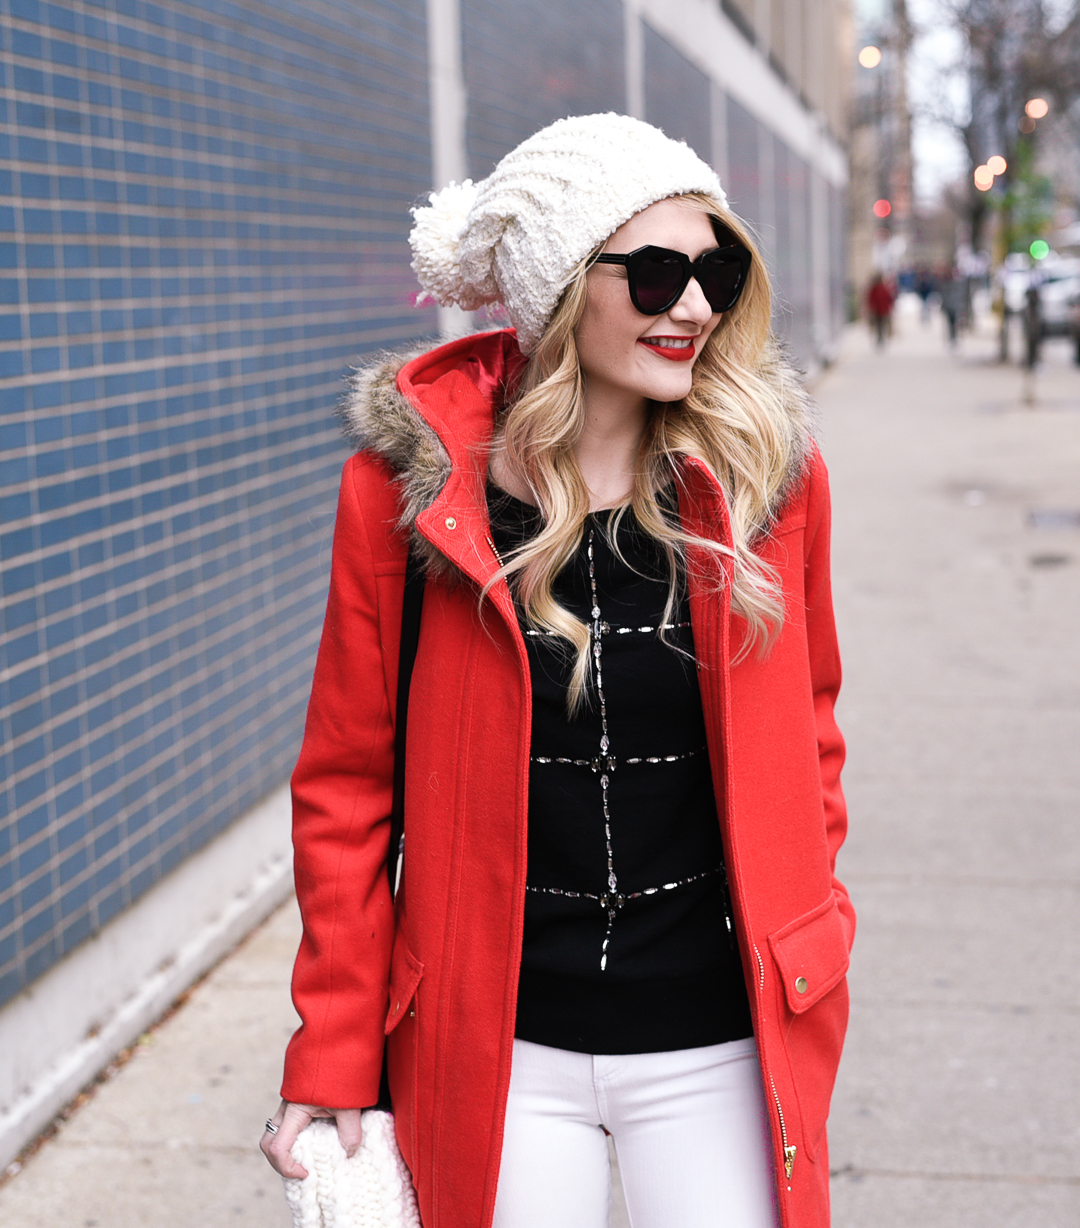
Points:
point(372, 1190)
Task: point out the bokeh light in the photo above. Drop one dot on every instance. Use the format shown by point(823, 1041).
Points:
point(997, 165)
point(1040, 249)
point(882, 208)
point(870, 57)
point(1036, 108)
point(984, 178)
point(1027, 124)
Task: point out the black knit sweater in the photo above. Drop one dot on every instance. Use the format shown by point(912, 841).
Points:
point(628, 946)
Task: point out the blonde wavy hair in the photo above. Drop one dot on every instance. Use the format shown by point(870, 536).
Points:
point(733, 420)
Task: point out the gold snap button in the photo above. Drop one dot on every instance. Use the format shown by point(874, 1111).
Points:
point(412, 1014)
point(451, 523)
point(801, 986)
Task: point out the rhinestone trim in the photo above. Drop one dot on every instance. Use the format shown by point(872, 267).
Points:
point(618, 900)
point(608, 629)
point(603, 764)
point(609, 763)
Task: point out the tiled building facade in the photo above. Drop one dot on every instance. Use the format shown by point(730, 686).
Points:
point(203, 219)
point(203, 222)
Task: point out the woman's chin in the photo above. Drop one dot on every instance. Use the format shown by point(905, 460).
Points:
point(671, 387)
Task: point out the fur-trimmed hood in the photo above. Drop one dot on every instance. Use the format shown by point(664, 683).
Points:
point(386, 412)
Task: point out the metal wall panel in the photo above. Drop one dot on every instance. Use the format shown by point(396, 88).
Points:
point(744, 187)
point(677, 95)
point(532, 62)
point(794, 309)
point(769, 186)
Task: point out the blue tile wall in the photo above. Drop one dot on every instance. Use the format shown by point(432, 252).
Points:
point(203, 214)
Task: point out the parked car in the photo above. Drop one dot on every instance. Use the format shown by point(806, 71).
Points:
point(1059, 290)
point(1014, 277)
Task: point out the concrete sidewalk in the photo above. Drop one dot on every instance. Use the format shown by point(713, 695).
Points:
point(957, 1102)
point(170, 1140)
point(960, 625)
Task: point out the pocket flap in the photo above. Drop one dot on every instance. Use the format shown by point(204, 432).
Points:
point(405, 973)
point(812, 955)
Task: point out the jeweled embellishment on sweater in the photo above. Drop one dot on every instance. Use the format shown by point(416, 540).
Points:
point(612, 900)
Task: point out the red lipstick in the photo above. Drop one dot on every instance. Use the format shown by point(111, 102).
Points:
point(674, 353)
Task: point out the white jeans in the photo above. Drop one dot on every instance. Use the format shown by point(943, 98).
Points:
point(690, 1129)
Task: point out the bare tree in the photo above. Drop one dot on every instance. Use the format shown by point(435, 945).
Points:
point(1012, 51)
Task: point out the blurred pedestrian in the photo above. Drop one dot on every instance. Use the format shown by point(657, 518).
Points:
point(879, 306)
point(953, 295)
point(1033, 326)
point(925, 285)
point(618, 910)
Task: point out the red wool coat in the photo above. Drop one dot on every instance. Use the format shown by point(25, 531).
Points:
point(437, 974)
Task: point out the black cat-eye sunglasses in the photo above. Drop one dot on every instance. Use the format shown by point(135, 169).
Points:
point(657, 276)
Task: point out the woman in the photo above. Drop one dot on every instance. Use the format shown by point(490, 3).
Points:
point(618, 909)
point(879, 305)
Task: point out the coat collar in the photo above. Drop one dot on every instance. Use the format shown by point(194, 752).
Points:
point(430, 416)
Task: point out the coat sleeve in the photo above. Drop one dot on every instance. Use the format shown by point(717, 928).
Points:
point(825, 672)
point(342, 791)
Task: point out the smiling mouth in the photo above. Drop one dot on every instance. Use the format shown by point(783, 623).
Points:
point(678, 349)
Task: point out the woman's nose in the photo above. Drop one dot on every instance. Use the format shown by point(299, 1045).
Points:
point(693, 306)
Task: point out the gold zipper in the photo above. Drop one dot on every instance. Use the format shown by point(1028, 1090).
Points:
point(789, 1148)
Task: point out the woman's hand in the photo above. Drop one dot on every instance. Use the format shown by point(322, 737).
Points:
point(290, 1119)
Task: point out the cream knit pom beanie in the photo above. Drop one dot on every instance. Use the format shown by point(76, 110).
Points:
point(515, 237)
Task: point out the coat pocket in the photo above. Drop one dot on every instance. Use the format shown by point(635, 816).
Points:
point(405, 973)
point(811, 957)
point(811, 953)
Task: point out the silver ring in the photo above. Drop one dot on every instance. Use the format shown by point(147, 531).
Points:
point(270, 1127)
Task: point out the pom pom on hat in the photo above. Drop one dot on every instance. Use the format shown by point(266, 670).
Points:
point(517, 236)
point(438, 230)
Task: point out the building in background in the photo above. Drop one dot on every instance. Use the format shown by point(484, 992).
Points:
point(203, 222)
point(885, 233)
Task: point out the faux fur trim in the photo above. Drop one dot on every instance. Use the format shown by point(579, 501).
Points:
point(377, 417)
point(779, 369)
